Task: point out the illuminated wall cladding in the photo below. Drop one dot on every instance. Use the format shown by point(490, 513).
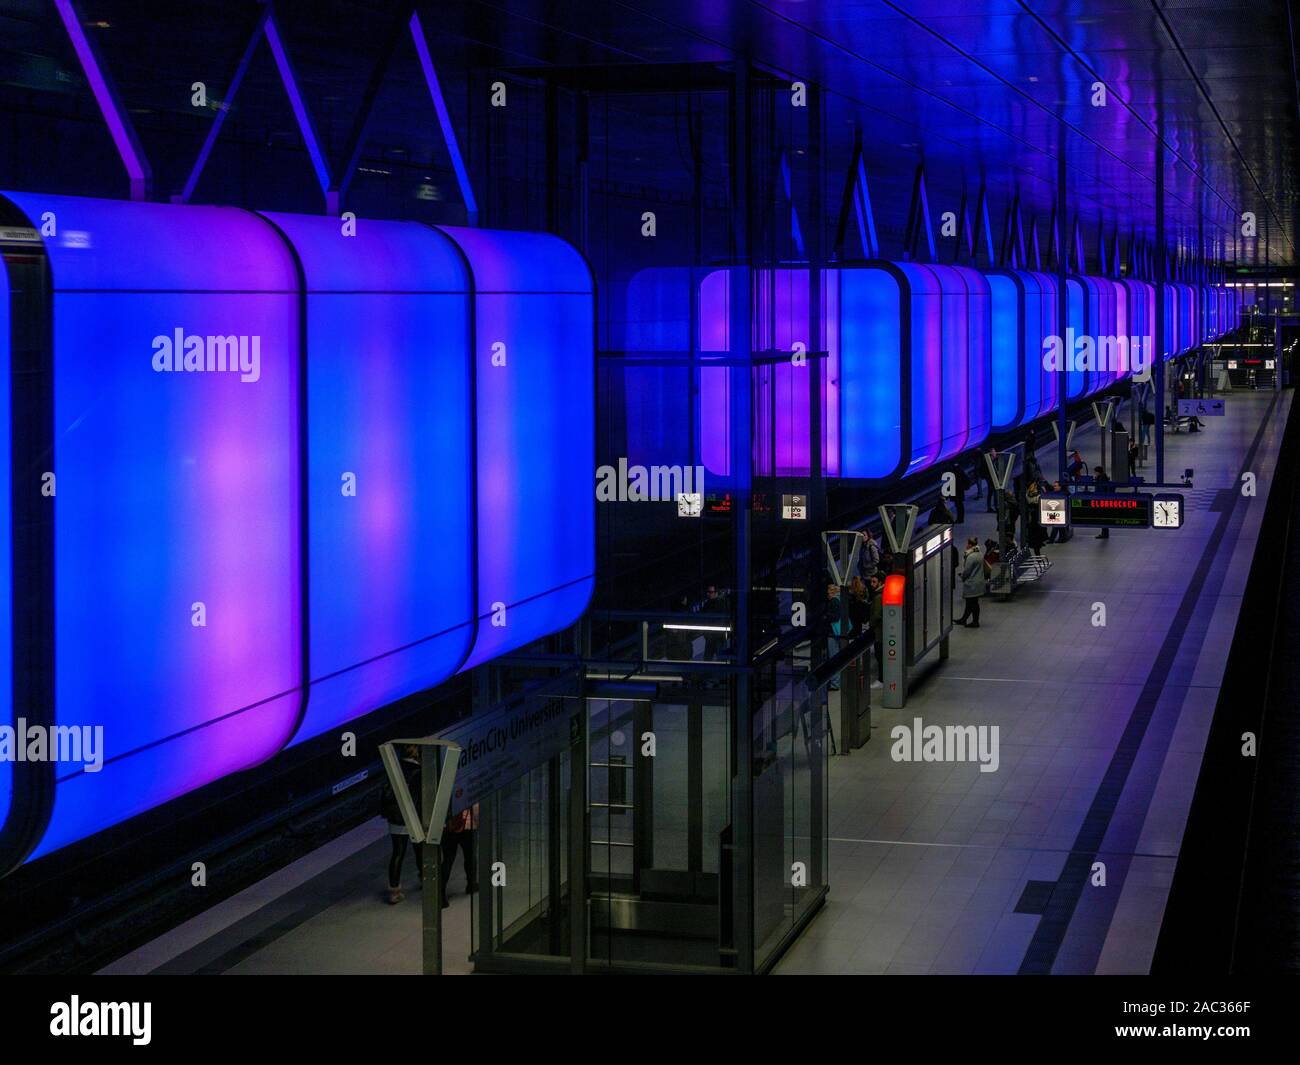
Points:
point(173, 489)
point(950, 372)
point(1023, 389)
point(536, 435)
point(183, 487)
point(870, 373)
point(948, 382)
point(1042, 386)
point(781, 395)
point(389, 396)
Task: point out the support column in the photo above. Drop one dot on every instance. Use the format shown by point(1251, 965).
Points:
point(1162, 266)
point(1062, 307)
point(741, 448)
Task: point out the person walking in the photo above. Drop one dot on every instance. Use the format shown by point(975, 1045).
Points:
point(1076, 466)
point(459, 832)
point(972, 583)
point(397, 830)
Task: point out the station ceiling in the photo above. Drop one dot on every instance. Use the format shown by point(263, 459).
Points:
point(989, 91)
point(999, 87)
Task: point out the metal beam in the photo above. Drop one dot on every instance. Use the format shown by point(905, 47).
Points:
point(110, 104)
point(296, 101)
point(355, 141)
point(214, 130)
point(444, 119)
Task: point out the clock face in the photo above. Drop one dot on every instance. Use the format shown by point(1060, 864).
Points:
point(690, 504)
point(1168, 513)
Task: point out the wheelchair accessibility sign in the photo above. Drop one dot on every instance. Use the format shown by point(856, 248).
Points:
point(1200, 408)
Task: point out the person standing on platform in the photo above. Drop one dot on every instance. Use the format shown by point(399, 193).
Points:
point(1102, 482)
point(1132, 459)
point(940, 514)
point(988, 480)
point(1030, 446)
point(1012, 513)
point(833, 639)
point(868, 555)
point(876, 592)
point(1035, 537)
point(963, 486)
point(972, 583)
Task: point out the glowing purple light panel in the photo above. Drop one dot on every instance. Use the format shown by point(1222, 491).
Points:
point(176, 616)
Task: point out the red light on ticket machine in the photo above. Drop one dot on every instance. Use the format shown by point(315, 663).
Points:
point(893, 594)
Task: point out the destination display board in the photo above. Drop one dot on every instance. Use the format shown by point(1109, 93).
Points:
point(1131, 510)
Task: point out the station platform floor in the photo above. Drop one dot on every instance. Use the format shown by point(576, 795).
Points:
point(934, 867)
point(938, 868)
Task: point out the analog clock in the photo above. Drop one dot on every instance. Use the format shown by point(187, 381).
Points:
point(1168, 513)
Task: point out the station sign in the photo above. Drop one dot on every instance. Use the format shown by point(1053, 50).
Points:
point(1201, 408)
point(1053, 511)
point(794, 508)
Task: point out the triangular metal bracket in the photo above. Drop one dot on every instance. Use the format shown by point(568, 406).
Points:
point(842, 577)
point(1103, 412)
point(405, 801)
point(1069, 432)
point(1001, 477)
point(899, 520)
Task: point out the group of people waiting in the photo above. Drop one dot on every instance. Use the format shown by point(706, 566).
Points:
point(976, 563)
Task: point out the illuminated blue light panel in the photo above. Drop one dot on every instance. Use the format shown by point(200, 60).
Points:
point(174, 489)
point(871, 372)
point(390, 452)
point(1009, 309)
point(1076, 381)
point(535, 362)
